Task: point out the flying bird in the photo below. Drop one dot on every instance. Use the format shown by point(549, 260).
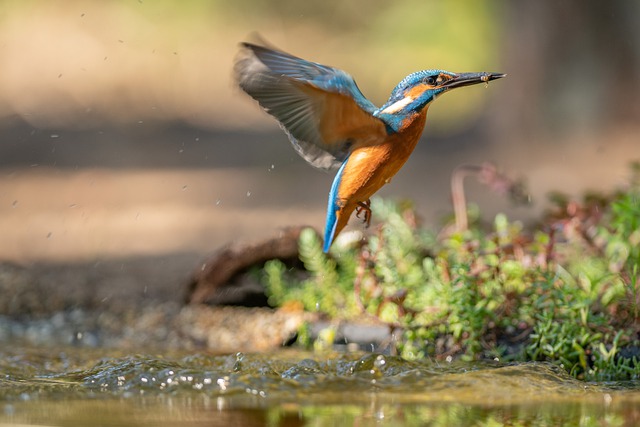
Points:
point(332, 125)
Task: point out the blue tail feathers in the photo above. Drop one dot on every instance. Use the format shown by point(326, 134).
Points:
point(333, 207)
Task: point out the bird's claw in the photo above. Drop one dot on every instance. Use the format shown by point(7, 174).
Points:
point(366, 208)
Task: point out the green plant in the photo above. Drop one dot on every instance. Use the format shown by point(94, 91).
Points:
point(566, 292)
point(328, 287)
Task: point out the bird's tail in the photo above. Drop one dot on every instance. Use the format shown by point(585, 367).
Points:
point(330, 232)
point(338, 221)
point(335, 211)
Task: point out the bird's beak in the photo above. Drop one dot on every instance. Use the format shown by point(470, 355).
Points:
point(468, 79)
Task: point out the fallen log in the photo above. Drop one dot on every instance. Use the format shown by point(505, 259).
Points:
point(213, 283)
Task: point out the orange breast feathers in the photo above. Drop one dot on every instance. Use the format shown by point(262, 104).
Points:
point(370, 167)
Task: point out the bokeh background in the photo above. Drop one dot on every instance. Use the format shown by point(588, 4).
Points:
point(123, 136)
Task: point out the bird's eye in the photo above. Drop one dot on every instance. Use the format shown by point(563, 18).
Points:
point(430, 80)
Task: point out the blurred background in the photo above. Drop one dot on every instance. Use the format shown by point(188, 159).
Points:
point(122, 134)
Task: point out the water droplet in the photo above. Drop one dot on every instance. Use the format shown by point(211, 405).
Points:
point(49, 235)
point(184, 187)
point(14, 204)
point(55, 135)
point(379, 362)
point(248, 193)
point(218, 201)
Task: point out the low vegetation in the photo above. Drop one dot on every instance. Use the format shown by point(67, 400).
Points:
point(566, 291)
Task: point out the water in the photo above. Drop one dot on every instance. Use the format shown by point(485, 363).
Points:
point(74, 387)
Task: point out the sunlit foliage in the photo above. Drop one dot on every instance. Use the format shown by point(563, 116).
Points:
point(566, 292)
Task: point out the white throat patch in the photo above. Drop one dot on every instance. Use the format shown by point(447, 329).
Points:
point(398, 105)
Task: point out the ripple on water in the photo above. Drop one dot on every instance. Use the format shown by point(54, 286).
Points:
point(325, 376)
point(358, 388)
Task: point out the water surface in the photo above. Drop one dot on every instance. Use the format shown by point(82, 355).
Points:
point(73, 387)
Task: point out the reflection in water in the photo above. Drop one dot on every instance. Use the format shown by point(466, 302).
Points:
point(376, 409)
point(295, 388)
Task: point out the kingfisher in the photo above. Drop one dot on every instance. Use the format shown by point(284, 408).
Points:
point(331, 124)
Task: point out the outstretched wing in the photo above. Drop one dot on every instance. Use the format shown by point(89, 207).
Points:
point(320, 108)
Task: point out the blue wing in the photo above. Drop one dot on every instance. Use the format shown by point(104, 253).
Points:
point(321, 108)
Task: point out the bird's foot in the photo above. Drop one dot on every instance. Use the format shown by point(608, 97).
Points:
point(366, 208)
